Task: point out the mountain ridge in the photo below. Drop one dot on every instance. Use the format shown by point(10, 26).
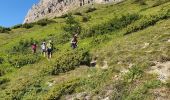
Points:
point(55, 8)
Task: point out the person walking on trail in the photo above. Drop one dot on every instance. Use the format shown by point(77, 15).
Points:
point(34, 47)
point(49, 49)
point(43, 48)
point(74, 41)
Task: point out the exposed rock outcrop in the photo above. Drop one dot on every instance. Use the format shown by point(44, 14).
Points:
point(53, 8)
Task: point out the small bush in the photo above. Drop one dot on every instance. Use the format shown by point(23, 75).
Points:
point(153, 84)
point(110, 26)
point(90, 10)
point(16, 26)
point(63, 38)
point(44, 22)
point(23, 46)
point(1, 60)
point(63, 16)
point(168, 84)
point(2, 72)
point(3, 80)
point(134, 73)
point(147, 21)
point(70, 60)
point(5, 68)
point(21, 60)
point(62, 89)
point(85, 18)
point(28, 25)
point(141, 2)
point(78, 13)
point(4, 29)
point(72, 26)
point(159, 2)
point(100, 39)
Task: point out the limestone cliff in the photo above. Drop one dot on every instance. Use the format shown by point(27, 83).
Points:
point(53, 8)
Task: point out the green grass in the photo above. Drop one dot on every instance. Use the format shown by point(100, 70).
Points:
point(27, 76)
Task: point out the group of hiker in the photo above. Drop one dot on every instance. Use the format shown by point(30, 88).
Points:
point(47, 48)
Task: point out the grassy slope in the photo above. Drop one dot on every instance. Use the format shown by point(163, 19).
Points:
point(32, 80)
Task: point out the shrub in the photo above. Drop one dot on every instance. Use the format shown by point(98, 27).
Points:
point(70, 60)
point(90, 10)
point(63, 38)
point(112, 25)
point(100, 39)
point(23, 46)
point(44, 22)
point(1, 60)
point(159, 2)
point(141, 2)
point(21, 60)
point(4, 29)
point(153, 84)
point(1, 72)
point(27, 25)
point(147, 21)
point(85, 18)
point(78, 13)
point(72, 25)
point(3, 80)
point(134, 72)
point(5, 68)
point(62, 89)
point(168, 84)
point(16, 26)
point(64, 16)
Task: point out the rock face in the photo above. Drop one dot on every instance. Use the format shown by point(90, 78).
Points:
point(53, 8)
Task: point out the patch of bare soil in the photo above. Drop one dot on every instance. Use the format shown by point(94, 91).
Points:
point(161, 93)
point(162, 69)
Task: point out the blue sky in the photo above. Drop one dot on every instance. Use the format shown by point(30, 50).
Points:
point(13, 12)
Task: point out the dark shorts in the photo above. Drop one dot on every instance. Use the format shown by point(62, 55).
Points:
point(34, 50)
point(73, 45)
point(49, 51)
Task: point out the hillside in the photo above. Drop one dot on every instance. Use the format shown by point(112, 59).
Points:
point(131, 41)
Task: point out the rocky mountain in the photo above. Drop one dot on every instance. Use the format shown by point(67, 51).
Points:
point(53, 8)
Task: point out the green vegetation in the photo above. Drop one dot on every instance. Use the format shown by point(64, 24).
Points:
point(44, 22)
point(27, 26)
point(72, 26)
point(16, 26)
point(90, 10)
point(70, 60)
point(126, 43)
point(4, 29)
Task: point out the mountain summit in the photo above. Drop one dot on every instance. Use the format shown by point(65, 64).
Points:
point(53, 8)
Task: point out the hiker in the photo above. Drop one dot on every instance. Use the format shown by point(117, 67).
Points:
point(49, 49)
point(74, 41)
point(34, 47)
point(43, 48)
